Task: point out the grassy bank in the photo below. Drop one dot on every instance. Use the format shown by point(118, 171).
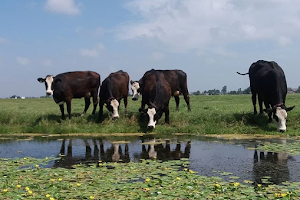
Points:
point(210, 115)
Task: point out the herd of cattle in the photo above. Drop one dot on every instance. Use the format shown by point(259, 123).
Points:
point(267, 81)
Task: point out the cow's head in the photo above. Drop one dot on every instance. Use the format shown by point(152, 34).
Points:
point(152, 116)
point(113, 106)
point(48, 83)
point(135, 88)
point(279, 113)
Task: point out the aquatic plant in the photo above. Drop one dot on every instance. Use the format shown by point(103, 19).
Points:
point(153, 179)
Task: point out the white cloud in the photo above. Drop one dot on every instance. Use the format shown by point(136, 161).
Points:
point(47, 62)
point(89, 52)
point(198, 25)
point(95, 52)
point(22, 60)
point(156, 56)
point(224, 52)
point(67, 7)
point(284, 41)
point(3, 40)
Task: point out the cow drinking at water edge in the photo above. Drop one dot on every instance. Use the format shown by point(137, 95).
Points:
point(177, 80)
point(66, 86)
point(156, 94)
point(113, 89)
point(267, 81)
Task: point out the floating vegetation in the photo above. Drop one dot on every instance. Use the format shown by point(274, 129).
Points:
point(26, 179)
point(289, 148)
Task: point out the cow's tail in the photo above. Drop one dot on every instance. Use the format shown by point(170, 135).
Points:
point(242, 74)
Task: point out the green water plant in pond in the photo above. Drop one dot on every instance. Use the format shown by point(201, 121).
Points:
point(149, 179)
point(289, 148)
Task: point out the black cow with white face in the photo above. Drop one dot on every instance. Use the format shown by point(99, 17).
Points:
point(177, 80)
point(267, 81)
point(156, 94)
point(113, 89)
point(66, 86)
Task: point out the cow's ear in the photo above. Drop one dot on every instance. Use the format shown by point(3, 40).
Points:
point(268, 110)
point(131, 82)
point(290, 108)
point(41, 80)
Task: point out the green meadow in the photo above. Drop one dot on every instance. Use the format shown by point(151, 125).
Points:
point(223, 114)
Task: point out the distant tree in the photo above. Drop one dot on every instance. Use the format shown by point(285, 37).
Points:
point(196, 93)
point(47, 96)
point(247, 90)
point(213, 92)
point(224, 89)
point(298, 90)
point(233, 92)
point(239, 91)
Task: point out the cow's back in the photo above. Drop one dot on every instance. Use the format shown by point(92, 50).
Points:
point(120, 81)
point(177, 80)
point(268, 80)
point(77, 84)
point(115, 85)
point(156, 86)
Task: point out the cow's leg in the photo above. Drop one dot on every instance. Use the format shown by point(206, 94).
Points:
point(68, 102)
point(269, 113)
point(125, 103)
point(254, 102)
point(142, 109)
point(101, 104)
point(95, 101)
point(62, 110)
point(177, 102)
point(187, 100)
point(87, 101)
point(167, 113)
point(260, 101)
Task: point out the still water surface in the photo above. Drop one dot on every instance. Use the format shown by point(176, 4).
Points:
point(206, 155)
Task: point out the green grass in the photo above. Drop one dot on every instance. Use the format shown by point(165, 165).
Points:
point(229, 114)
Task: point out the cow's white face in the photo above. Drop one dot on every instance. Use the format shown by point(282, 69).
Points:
point(134, 87)
point(280, 118)
point(151, 113)
point(48, 84)
point(115, 105)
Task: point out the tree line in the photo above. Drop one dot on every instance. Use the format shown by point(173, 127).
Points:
point(224, 91)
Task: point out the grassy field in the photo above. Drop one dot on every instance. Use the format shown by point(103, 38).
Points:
point(229, 114)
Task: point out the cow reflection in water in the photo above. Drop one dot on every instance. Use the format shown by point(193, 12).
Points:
point(274, 165)
point(112, 154)
point(163, 152)
point(70, 152)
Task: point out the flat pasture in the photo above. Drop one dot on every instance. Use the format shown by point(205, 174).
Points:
point(223, 114)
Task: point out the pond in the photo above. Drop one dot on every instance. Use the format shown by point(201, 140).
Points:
point(207, 156)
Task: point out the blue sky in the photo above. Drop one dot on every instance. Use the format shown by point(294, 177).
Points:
point(208, 39)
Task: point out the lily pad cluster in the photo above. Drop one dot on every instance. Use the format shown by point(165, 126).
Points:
point(26, 178)
point(289, 148)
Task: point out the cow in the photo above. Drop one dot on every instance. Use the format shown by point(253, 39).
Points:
point(267, 81)
point(66, 86)
point(113, 89)
point(156, 94)
point(177, 80)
